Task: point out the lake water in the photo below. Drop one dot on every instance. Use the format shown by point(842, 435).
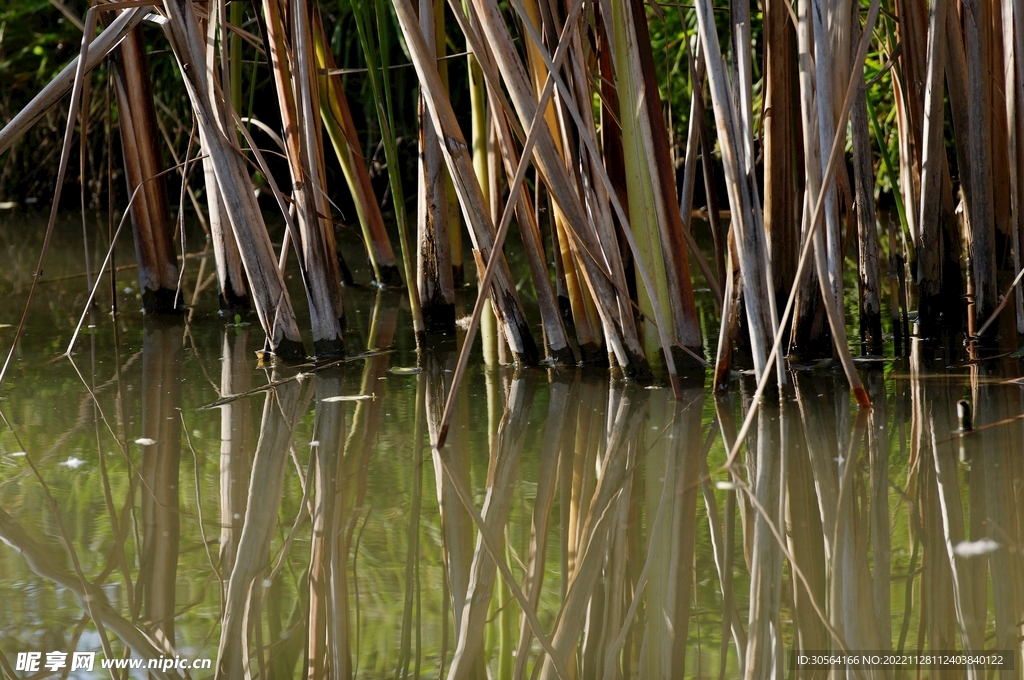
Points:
point(163, 497)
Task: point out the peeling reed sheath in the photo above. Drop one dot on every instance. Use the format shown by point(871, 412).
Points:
point(434, 280)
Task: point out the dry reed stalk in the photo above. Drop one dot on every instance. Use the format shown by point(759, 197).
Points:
point(929, 278)
point(627, 339)
point(100, 46)
point(433, 262)
point(669, 228)
point(781, 211)
point(273, 305)
point(1014, 94)
point(151, 224)
point(750, 239)
point(817, 184)
point(455, 149)
point(716, 279)
point(615, 250)
point(870, 298)
point(908, 93)
point(337, 118)
point(730, 320)
point(643, 182)
point(230, 269)
point(299, 106)
point(582, 237)
point(982, 224)
point(826, 65)
point(585, 321)
point(556, 341)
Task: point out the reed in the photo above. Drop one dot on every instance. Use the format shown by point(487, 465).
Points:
point(575, 110)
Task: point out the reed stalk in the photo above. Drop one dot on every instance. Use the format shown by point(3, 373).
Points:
point(273, 305)
point(290, 58)
point(433, 261)
point(781, 206)
point(337, 119)
point(870, 297)
point(365, 17)
point(750, 245)
point(982, 224)
point(151, 223)
point(455, 150)
point(933, 154)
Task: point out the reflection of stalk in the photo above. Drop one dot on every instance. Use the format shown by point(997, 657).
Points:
point(328, 645)
point(504, 465)
point(281, 409)
point(626, 417)
point(456, 524)
point(807, 547)
point(93, 598)
point(235, 444)
point(558, 405)
point(158, 562)
point(412, 559)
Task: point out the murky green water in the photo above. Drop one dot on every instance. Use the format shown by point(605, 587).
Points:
point(161, 495)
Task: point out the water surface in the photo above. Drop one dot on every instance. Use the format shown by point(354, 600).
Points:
point(162, 495)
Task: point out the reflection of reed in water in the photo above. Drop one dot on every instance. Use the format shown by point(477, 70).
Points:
point(281, 408)
point(599, 563)
point(340, 464)
point(236, 446)
point(162, 351)
point(92, 598)
point(502, 470)
point(456, 524)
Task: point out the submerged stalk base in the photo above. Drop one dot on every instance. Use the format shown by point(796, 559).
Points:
point(390, 277)
point(439, 318)
point(329, 349)
point(160, 301)
point(286, 350)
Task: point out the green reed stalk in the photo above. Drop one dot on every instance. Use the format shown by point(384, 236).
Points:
point(377, 63)
point(891, 174)
point(642, 181)
point(337, 119)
